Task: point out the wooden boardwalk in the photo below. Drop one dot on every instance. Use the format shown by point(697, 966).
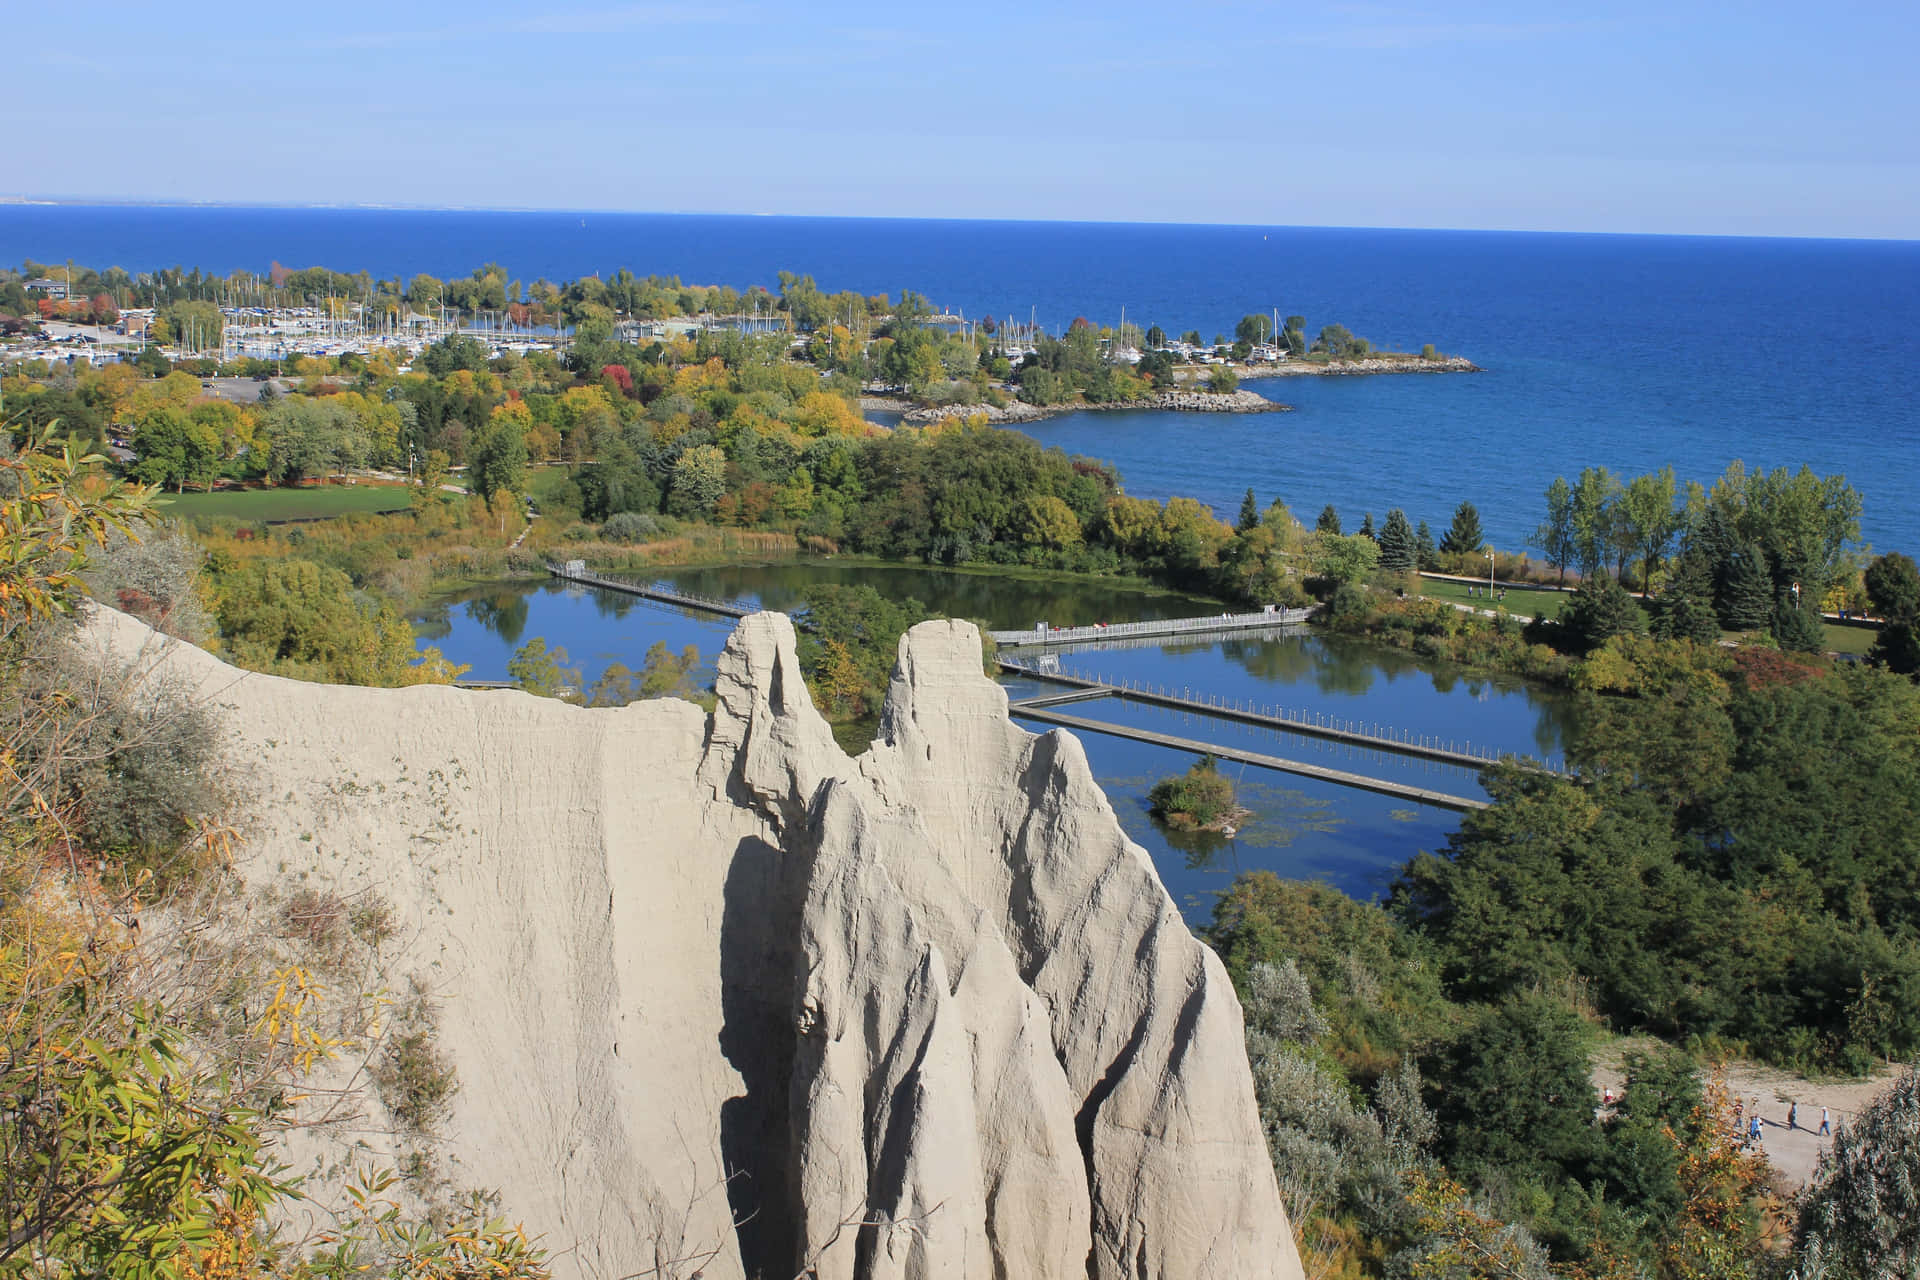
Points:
point(653, 591)
point(1048, 637)
point(1360, 781)
point(1286, 720)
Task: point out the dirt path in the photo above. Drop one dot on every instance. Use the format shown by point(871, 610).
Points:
point(1793, 1151)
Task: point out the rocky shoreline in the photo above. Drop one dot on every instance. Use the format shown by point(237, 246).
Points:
point(1351, 368)
point(1179, 399)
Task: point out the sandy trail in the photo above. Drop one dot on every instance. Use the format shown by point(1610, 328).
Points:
point(1795, 1150)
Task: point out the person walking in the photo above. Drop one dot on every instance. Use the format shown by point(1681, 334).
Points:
point(1753, 1130)
point(1826, 1127)
point(1793, 1115)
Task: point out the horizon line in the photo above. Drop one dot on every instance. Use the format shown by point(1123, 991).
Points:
point(133, 202)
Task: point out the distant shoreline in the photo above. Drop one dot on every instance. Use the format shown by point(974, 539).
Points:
point(1187, 398)
point(1177, 400)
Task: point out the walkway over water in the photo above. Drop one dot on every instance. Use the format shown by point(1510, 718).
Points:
point(1267, 716)
point(1042, 636)
point(576, 571)
point(1040, 712)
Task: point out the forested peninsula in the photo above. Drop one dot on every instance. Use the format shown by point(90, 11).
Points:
point(1726, 874)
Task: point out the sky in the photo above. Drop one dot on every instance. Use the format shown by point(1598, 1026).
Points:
point(1736, 118)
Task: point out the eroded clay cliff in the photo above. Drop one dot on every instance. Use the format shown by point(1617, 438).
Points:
point(721, 998)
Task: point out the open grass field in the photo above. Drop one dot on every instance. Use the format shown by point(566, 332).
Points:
point(288, 504)
point(1524, 604)
point(1848, 639)
point(1520, 602)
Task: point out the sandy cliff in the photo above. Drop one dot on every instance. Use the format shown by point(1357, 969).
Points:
point(722, 999)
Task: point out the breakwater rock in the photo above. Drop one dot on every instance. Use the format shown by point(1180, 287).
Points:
point(1182, 399)
point(719, 996)
point(1371, 365)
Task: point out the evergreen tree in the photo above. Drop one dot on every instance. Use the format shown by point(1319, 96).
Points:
point(1686, 615)
point(1897, 648)
point(1463, 535)
point(1249, 513)
point(1796, 629)
point(1329, 521)
point(1425, 552)
point(1600, 609)
point(1398, 552)
point(1743, 594)
point(1366, 528)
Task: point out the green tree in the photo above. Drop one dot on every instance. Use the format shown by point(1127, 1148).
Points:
point(424, 294)
point(175, 448)
point(1427, 554)
point(1221, 380)
point(1329, 521)
point(1795, 627)
point(497, 460)
point(1253, 329)
point(1555, 536)
point(1156, 338)
point(1893, 587)
point(1649, 520)
point(1515, 1094)
point(1463, 536)
point(1249, 513)
point(1398, 551)
point(1343, 560)
point(1860, 1217)
point(543, 671)
point(699, 480)
point(309, 438)
point(1599, 610)
point(1366, 527)
point(1897, 647)
point(1592, 519)
point(1744, 599)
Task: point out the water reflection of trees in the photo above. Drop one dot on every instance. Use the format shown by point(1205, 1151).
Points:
point(500, 608)
point(1006, 602)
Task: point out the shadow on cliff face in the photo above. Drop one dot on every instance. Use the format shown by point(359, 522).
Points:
point(759, 956)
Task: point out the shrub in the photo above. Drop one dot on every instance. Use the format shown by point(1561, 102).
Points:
point(1198, 798)
point(415, 1079)
point(630, 526)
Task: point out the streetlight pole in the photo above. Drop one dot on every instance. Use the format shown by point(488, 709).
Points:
point(1489, 573)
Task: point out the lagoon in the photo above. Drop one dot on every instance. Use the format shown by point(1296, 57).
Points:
point(1300, 828)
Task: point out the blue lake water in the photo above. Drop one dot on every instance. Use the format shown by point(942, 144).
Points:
point(1627, 351)
point(1300, 827)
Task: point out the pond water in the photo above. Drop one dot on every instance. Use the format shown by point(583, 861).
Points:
point(1300, 828)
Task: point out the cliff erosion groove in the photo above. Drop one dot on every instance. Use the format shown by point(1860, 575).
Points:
point(716, 990)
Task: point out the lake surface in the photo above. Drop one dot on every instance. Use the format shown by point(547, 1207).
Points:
point(1300, 828)
point(1628, 351)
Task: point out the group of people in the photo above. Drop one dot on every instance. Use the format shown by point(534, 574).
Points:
point(1750, 1134)
point(1746, 1123)
point(1486, 593)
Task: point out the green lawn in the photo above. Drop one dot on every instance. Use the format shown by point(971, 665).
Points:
point(1850, 639)
point(288, 504)
point(1520, 602)
point(541, 483)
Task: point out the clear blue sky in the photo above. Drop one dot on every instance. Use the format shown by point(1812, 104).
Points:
point(1761, 117)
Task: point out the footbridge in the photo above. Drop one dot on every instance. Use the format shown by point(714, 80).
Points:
point(576, 571)
point(1041, 636)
